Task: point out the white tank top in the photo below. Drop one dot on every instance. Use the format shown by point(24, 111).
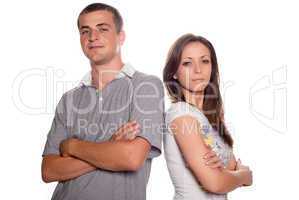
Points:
point(185, 184)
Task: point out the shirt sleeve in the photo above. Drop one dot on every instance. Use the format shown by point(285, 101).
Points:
point(179, 109)
point(148, 111)
point(58, 131)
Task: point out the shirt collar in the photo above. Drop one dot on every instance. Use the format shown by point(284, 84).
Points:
point(126, 70)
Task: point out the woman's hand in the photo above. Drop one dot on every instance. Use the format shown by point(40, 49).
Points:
point(246, 173)
point(212, 160)
point(127, 131)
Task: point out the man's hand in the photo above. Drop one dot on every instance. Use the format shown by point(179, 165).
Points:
point(127, 131)
point(66, 147)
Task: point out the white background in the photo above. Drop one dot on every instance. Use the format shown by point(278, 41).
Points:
point(257, 47)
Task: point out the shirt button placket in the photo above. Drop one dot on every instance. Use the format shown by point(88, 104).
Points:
point(100, 96)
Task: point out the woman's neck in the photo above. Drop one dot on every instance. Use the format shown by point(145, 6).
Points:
point(194, 98)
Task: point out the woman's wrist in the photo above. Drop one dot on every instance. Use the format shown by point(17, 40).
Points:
point(246, 176)
point(242, 174)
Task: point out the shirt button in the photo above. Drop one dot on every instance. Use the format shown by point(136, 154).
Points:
point(101, 98)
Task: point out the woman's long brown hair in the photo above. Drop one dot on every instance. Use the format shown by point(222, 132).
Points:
point(212, 103)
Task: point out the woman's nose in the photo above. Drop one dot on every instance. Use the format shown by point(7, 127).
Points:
point(197, 68)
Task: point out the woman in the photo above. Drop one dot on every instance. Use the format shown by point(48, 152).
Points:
point(195, 125)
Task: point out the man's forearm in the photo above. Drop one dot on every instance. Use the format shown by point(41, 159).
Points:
point(109, 155)
point(57, 168)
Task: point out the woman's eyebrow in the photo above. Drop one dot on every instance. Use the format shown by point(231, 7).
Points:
point(188, 58)
point(205, 56)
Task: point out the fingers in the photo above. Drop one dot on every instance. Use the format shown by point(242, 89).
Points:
point(130, 132)
point(239, 161)
point(248, 178)
point(239, 164)
point(210, 154)
point(212, 160)
point(218, 164)
point(126, 126)
point(127, 132)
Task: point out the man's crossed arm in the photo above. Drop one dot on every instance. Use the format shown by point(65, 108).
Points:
point(124, 152)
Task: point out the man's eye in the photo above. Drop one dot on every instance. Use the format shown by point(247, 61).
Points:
point(103, 29)
point(84, 32)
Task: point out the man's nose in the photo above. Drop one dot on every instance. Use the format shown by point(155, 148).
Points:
point(93, 35)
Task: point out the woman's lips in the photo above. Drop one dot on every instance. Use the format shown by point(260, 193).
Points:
point(198, 79)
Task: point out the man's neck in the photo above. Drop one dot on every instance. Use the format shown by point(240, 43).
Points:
point(103, 74)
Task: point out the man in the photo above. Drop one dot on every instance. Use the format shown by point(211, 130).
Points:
point(106, 131)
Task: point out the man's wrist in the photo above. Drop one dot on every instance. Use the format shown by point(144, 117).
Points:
point(73, 143)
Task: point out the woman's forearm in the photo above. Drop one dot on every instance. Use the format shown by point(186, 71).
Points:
point(229, 180)
point(218, 180)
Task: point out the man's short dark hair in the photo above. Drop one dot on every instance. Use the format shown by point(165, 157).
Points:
point(117, 18)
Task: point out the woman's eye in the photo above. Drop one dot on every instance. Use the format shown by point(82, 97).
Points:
point(186, 63)
point(206, 61)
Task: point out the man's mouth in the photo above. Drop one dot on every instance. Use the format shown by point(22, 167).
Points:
point(96, 47)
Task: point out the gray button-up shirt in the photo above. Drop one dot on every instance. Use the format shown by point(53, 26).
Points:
point(92, 115)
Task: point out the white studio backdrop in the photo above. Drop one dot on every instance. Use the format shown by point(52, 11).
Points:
point(257, 47)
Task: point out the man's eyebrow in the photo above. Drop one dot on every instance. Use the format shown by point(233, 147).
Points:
point(82, 27)
point(103, 24)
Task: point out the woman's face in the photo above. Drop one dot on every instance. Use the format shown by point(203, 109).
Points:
point(195, 67)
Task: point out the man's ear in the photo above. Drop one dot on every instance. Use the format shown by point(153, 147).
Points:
point(122, 37)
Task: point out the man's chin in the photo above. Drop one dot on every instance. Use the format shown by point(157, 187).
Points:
point(98, 61)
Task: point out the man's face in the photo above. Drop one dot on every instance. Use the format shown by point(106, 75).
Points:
point(99, 39)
